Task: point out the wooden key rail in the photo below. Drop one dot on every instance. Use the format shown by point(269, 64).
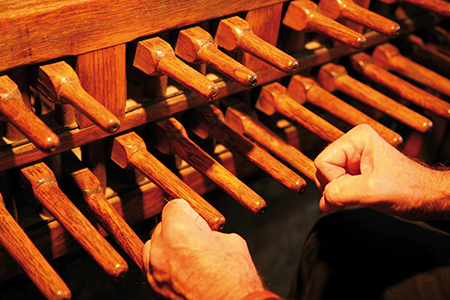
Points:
point(244, 120)
point(14, 240)
point(14, 110)
point(39, 181)
point(208, 121)
point(334, 77)
point(99, 207)
point(306, 89)
point(348, 9)
point(235, 34)
point(389, 57)
point(156, 57)
point(364, 64)
point(129, 150)
point(196, 45)
point(275, 98)
point(59, 83)
point(172, 135)
point(305, 15)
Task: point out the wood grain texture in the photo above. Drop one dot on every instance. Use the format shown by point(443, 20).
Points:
point(275, 98)
point(389, 57)
point(208, 120)
point(59, 83)
point(15, 111)
point(173, 133)
point(348, 9)
point(244, 120)
point(196, 45)
point(305, 15)
point(14, 240)
point(156, 57)
point(236, 34)
point(334, 77)
point(364, 64)
point(103, 212)
point(129, 150)
point(39, 181)
point(438, 6)
point(303, 88)
point(96, 24)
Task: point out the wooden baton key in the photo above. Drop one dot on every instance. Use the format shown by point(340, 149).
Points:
point(129, 150)
point(348, 9)
point(244, 120)
point(364, 64)
point(334, 77)
point(305, 15)
point(236, 34)
point(14, 110)
point(274, 97)
point(155, 57)
point(59, 83)
point(438, 6)
point(208, 121)
point(14, 240)
point(171, 137)
point(389, 57)
point(99, 207)
point(304, 89)
point(195, 45)
point(40, 182)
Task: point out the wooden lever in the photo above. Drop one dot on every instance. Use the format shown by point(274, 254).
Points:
point(14, 110)
point(348, 9)
point(438, 6)
point(364, 64)
point(40, 182)
point(156, 57)
point(275, 98)
point(129, 150)
point(235, 34)
point(195, 45)
point(334, 77)
point(99, 207)
point(244, 120)
point(209, 122)
point(305, 15)
point(388, 57)
point(14, 240)
point(172, 135)
point(60, 84)
point(305, 89)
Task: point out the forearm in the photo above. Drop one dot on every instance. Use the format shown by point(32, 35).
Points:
point(436, 204)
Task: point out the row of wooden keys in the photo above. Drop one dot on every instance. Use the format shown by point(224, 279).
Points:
point(236, 126)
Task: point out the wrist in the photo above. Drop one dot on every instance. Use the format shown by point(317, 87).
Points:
point(438, 198)
point(262, 295)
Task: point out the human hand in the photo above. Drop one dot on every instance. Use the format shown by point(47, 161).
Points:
point(185, 259)
point(361, 168)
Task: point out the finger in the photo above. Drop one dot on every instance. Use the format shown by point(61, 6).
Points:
point(347, 190)
point(178, 216)
point(146, 258)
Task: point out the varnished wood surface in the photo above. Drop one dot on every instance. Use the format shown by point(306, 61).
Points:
point(196, 45)
point(236, 34)
point(208, 121)
point(14, 240)
point(364, 64)
point(348, 9)
point(39, 181)
point(274, 97)
point(304, 15)
point(304, 89)
point(244, 120)
point(438, 6)
point(129, 150)
point(14, 110)
point(173, 135)
point(334, 77)
point(103, 212)
point(389, 57)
